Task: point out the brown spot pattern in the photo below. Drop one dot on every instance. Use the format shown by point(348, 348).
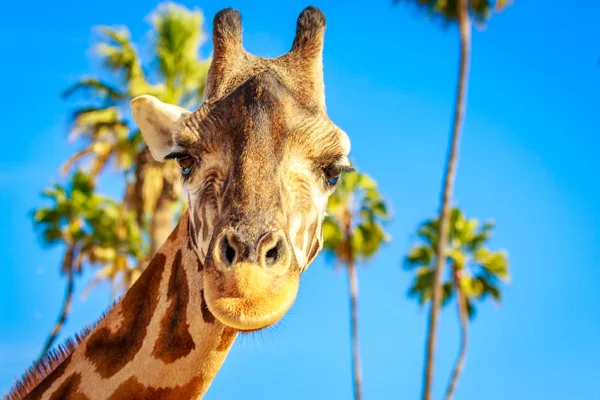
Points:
point(69, 389)
point(313, 252)
point(192, 242)
point(48, 381)
point(197, 223)
point(132, 389)
point(204, 225)
point(300, 234)
point(315, 243)
point(111, 351)
point(215, 220)
point(206, 314)
point(174, 340)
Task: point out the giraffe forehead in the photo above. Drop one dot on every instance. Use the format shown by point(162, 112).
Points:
point(263, 121)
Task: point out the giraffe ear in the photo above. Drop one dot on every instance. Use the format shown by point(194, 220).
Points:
point(156, 121)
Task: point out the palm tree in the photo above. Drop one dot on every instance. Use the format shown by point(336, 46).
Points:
point(451, 11)
point(176, 75)
point(62, 223)
point(353, 232)
point(475, 272)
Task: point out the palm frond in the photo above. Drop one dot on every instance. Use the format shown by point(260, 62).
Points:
point(94, 88)
point(479, 268)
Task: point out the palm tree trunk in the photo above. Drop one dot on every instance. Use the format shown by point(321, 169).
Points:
point(459, 111)
point(356, 370)
point(162, 221)
point(462, 315)
point(142, 160)
point(68, 267)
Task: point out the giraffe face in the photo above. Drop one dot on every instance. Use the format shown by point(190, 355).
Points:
point(260, 159)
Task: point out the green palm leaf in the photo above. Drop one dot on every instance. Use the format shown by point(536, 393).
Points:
point(480, 269)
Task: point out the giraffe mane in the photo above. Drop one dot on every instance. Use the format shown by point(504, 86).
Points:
point(50, 361)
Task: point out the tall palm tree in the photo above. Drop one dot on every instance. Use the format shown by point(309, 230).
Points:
point(475, 272)
point(460, 12)
point(352, 233)
point(62, 223)
point(175, 74)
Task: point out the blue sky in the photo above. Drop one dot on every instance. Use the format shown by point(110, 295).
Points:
point(528, 160)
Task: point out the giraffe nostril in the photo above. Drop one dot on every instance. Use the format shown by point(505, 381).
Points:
point(275, 253)
point(227, 251)
point(230, 254)
point(270, 251)
point(272, 256)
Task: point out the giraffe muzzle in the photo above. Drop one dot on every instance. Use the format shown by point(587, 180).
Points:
point(251, 283)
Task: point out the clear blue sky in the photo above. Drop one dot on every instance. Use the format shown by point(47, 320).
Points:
point(528, 160)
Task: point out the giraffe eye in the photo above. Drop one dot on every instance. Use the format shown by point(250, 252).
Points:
point(186, 163)
point(332, 174)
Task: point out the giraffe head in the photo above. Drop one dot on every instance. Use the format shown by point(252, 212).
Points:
point(259, 157)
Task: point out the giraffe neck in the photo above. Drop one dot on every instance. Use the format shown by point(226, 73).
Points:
point(159, 341)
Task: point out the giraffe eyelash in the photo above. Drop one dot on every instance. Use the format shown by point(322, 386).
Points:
point(182, 155)
point(346, 168)
point(176, 154)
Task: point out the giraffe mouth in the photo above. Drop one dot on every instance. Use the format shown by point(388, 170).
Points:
point(249, 297)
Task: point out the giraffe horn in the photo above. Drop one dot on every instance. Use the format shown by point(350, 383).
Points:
point(305, 59)
point(227, 33)
point(310, 33)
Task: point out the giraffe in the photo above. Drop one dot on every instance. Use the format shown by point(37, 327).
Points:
point(259, 159)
